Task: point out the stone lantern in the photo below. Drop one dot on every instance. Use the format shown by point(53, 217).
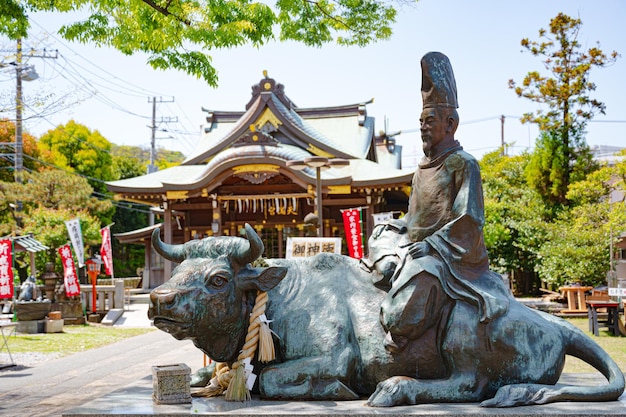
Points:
point(50, 279)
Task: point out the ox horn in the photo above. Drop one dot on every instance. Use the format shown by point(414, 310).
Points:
point(174, 253)
point(256, 246)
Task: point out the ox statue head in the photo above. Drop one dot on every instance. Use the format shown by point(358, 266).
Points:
point(212, 291)
point(383, 256)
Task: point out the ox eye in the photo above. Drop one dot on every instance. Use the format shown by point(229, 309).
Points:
point(218, 281)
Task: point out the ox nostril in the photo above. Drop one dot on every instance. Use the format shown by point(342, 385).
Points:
point(158, 297)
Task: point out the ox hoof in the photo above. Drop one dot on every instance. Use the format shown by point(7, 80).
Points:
point(202, 377)
point(391, 392)
point(519, 394)
point(395, 344)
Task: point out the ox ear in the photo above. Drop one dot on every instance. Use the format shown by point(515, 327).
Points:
point(261, 279)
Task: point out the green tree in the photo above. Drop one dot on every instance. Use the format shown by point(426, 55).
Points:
point(50, 198)
point(567, 105)
point(128, 216)
point(175, 34)
point(164, 158)
point(29, 146)
point(48, 227)
point(514, 219)
point(57, 190)
point(75, 148)
point(577, 248)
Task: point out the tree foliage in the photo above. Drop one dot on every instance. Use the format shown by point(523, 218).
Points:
point(177, 33)
point(48, 226)
point(56, 190)
point(579, 241)
point(29, 147)
point(75, 148)
point(525, 237)
point(514, 217)
point(49, 198)
point(164, 158)
point(566, 104)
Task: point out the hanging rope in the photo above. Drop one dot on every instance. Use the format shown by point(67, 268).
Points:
point(232, 381)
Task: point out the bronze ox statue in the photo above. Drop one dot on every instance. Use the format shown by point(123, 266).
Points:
point(325, 311)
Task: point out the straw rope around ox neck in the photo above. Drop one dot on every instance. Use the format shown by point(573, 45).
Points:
point(232, 381)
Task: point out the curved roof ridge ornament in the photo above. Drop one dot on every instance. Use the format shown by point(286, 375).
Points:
point(269, 85)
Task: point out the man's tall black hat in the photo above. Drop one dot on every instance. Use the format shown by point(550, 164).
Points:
point(438, 84)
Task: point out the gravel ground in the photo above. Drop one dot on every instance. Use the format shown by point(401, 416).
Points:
point(26, 359)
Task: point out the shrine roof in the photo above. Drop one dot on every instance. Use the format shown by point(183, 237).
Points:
point(153, 182)
point(360, 172)
point(340, 131)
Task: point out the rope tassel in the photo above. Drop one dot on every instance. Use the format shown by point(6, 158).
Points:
point(233, 382)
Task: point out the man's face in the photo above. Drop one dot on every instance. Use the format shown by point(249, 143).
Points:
point(433, 129)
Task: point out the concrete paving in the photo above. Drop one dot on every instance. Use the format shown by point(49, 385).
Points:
point(117, 380)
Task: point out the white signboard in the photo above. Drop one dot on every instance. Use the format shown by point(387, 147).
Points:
point(301, 247)
point(617, 292)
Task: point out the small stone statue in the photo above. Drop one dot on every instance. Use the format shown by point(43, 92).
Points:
point(28, 289)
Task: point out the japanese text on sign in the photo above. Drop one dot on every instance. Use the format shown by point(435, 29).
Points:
point(300, 247)
point(352, 228)
point(6, 270)
point(70, 278)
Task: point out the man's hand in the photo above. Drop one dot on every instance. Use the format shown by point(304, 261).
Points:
point(419, 249)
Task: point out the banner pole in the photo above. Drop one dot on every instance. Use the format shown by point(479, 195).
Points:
point(362, 232)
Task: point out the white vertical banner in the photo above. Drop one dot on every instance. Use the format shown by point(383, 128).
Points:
point(76, 237)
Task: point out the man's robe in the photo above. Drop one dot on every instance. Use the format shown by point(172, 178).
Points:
point(446, 210)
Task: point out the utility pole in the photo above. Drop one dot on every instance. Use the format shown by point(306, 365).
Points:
point(28, 75)
point(502, 135)
point(19, 101)
point(152, 166)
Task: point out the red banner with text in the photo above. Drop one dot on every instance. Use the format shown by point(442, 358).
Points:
point(105, 250)
point(6, 268)
point(352, 227)
point(70, 279)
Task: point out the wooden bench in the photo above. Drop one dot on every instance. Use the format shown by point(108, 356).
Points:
point(603, 305)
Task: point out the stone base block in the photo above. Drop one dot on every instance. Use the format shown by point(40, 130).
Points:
point(74, 320)
point(94, 318)
point(136, 400)
point(32, 310)
point(54, 326)
point(171, 384)
point(112, 316)
point(31, 326)
point(54, 315)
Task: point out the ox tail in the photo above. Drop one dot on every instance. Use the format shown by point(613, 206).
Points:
point(585, 348)
point(580, 346)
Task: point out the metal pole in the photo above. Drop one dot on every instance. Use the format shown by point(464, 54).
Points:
point(153, 138)
point(503, 152)
point(318, 191)
point(19, 103)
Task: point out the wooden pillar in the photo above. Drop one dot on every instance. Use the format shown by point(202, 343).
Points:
point(217, 218)
point(281, 252)
point(147, 269)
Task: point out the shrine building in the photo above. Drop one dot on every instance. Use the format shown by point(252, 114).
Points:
point(249, 167)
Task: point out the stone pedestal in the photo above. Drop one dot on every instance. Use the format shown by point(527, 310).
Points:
point(171, 384)
point(54, 326)
point(31, 326)
point(31, 310)
point(71, 311)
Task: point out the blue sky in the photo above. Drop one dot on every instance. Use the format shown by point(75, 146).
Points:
point(481, 38)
